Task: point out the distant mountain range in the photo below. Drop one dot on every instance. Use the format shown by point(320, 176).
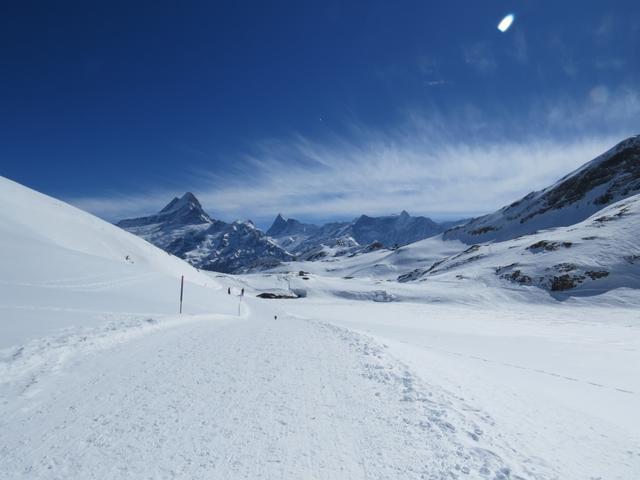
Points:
point(184, 229)
point(311, 242)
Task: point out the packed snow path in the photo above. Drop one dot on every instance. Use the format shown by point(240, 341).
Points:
point(236, 398)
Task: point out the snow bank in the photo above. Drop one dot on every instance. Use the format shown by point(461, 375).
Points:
point(62, 267)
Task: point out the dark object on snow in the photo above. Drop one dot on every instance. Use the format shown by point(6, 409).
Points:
point(275, 317)
point(548, 246)
point(229, 291)
point(271, 295)
point(565, 282)
point(374, 246)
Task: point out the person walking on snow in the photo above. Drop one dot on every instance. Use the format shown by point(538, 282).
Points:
point(242, 293)
point(229, 291)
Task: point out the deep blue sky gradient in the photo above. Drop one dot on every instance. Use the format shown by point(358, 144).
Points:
point(104, 97)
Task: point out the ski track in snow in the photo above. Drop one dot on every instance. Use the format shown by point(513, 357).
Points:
point(522, 367)
point(247, 398)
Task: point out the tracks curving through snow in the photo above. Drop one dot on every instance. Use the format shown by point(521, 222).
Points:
point(247, 398)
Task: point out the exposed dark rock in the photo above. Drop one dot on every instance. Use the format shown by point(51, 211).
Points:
point(480, 231)
point(502, 269)
point(564, 267)
point(374, 246)
point(517, 277)
point(548, 246)
point(412, 275)
point(607, 218)
point(565, 282)
point(595, 274)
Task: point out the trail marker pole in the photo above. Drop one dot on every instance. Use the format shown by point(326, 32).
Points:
point(181, 292)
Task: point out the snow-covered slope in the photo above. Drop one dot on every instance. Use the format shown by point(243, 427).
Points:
point(63, 267)
point(596, 255)
point(380, 265)
point(612, 176)
point(184, 229)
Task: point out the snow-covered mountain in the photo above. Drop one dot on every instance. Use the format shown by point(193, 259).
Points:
point(365, 233)
point(596, 255)
point(612, 176)
point(184, 229)
point(290, 233)
point(394, 230)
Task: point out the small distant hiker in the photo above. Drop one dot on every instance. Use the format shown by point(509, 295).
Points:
point(229, 291)
point(275, 317)
point(242, 293)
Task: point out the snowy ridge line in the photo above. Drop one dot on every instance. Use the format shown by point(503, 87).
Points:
point(610, 177)
point(592, 257)
point(22, 366)
point(454, 423)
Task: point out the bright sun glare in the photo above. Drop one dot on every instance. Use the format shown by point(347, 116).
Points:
point(506, 22)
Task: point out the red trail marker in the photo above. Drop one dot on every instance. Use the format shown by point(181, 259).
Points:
point(181, 291)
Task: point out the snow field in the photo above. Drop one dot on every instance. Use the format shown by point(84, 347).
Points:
point(227, 398)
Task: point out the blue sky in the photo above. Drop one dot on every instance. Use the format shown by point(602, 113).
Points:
point(320, 110)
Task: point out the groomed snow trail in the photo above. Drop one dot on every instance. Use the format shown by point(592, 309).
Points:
point(246, 398)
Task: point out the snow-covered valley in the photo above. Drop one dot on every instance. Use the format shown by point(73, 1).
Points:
point(320, 240)
point(458, 373)
point(558, 380)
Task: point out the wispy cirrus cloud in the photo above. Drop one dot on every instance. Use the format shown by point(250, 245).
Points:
point(385, 175)
point(604, 108)
point(440, 165)
point(379, 175)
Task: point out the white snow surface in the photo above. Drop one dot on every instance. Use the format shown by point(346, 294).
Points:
point(62, 267)
point(364, 378)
